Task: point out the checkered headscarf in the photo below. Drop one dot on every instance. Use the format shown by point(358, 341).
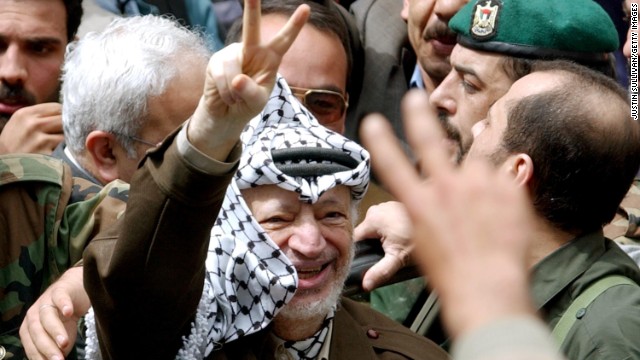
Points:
point(249, 278)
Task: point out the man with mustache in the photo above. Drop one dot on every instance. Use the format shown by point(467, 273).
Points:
point(405, 45)
point(483, 69)
point(543, 136)
point(33, 37)
point(492, 54)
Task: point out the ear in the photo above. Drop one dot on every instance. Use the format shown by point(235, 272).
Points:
point(521, 167)
point(100, 147)
point(405, 10)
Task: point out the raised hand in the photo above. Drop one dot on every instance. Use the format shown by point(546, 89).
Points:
point(33, 129)
point(239, 81)
point(471, 225)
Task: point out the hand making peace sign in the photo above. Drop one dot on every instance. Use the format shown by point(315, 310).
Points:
point(239, 80)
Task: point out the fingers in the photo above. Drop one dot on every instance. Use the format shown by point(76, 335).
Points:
point(389, 161)
point(42, 110)
point(37, 342)
point(50, 338)
point(251, 23)
point(381, 272)
point(425, 134)
point(287, 35)
point(367, 229)
point(224, 66)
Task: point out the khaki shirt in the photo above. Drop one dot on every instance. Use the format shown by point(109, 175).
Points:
point(610, 326)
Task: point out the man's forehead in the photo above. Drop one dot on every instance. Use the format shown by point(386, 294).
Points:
point(338, 194)
point(475, 62)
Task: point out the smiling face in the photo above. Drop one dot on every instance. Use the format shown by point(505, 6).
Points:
point(475, 82)
point(317, 238)
point(429, 35)
point(33, 36)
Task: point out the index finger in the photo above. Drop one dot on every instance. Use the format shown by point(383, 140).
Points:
point(389, 161)
point(251, 23)
point(287, 35)
point(425, 134)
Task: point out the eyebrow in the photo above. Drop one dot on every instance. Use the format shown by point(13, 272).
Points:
point(332, 201)
point(330, 87)
point(36, 39)
point(43, 41)
point(467, 70)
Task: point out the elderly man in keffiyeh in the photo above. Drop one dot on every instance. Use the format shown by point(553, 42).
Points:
point(281, 249)
point(267, 285)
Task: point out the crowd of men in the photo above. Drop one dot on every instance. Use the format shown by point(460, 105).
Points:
point(161, 200)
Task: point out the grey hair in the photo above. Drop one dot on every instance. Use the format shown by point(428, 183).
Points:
point(108, 77)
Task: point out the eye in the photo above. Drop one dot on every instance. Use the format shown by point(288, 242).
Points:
point(334, 218)
point(469, 87)
point(275, 220)
point(41, 47)
point(323, 104)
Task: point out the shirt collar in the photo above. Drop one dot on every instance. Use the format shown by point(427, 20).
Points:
point(416, 78)
point(560, 268)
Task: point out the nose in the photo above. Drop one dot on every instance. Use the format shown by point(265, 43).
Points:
point(307, 239)
point(445, 9)
point(441, 98)
point(13, 69)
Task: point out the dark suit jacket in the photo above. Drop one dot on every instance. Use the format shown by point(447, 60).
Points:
point(389, 62)
point(358, 333)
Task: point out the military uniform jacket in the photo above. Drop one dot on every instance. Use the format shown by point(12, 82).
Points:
point(44, 230)
point(610, 327)
point(358, 333)
point(143, 307)
point(171, 211)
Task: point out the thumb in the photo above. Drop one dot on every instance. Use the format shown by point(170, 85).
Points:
point(380, 273)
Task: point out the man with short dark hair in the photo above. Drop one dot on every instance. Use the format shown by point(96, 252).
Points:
point(320, 62)
point(490, 55)
point(493, 51)
point(33, 38)
point(546, 134)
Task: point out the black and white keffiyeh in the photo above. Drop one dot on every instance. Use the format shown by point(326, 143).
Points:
point(248, 278)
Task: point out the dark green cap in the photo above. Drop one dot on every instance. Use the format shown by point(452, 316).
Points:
point(579, 30)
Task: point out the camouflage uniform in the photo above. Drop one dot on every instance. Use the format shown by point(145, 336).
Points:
point(625, 229)
point(44, 231)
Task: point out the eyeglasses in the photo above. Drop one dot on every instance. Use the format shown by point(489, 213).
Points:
point(143, 141)
point(328, 106)
point(137, 139)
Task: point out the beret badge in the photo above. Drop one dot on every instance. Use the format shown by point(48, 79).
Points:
point(485, 19)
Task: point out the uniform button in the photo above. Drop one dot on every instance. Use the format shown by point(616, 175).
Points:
point(3, 352)
point(580, 313)
point(372, 334)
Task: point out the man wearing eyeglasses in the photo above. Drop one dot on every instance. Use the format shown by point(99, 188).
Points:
point(318, 64)
point(125, 89)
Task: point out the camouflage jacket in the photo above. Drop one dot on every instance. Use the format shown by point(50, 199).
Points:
point(44, 231)
point(625, 227)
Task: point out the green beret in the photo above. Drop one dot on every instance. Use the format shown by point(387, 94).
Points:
point(579, 30)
